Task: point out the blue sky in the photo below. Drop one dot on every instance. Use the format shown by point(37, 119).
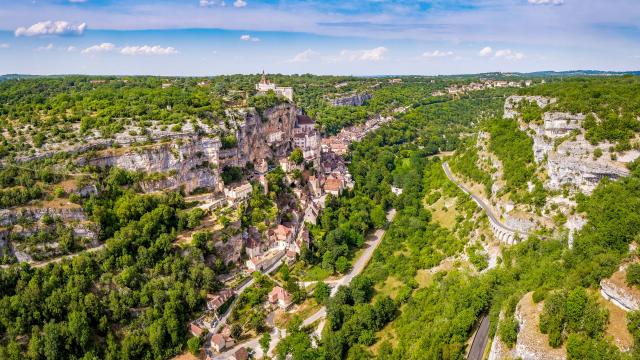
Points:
point(209, 37)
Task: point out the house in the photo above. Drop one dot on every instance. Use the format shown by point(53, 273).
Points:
point(281, 236)
point(333, 186)
point(265, 85)
point(195, 328)
point(280, 297)
point(290, 257)
point(288, 165)
point(304, 124)
point(314, 184)
point(253, 248)
point(263, 262)
point(238, 193)
point(241, 354)
point(311, 213)
point(219, 342)
point(214, 302)
point(301, 241)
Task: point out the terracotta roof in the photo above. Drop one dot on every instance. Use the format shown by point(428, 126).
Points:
point(219, 340)
point(241, 354)
point(278, 293)
point(332, 185)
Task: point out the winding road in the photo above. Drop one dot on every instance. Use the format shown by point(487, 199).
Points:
point(357, 268)
point(487, 209)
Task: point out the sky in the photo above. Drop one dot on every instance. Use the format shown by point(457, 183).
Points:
point(341, 37)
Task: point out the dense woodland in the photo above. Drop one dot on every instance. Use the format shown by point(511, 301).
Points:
point(133, 299)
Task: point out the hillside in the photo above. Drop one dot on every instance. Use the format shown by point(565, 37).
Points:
point(319, 217)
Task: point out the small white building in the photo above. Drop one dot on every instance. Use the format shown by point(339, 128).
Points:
point(238, 193)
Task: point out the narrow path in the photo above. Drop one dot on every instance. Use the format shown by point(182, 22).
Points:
point(37, 264)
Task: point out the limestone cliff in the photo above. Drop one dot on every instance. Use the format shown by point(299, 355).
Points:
point(352, 100)
point(616, 290)
point(193, 156)
point(559, 144)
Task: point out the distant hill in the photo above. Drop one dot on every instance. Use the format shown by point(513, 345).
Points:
point(15, 76)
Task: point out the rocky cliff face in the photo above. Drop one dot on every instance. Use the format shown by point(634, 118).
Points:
point(191, 163)
point(559, 144)
point(353, 100)
point(512, 102)
point(193, 157)
point(616, 290)
point(11, 216)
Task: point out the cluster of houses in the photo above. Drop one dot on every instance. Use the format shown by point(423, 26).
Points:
point(285, 241)
point(478, 86)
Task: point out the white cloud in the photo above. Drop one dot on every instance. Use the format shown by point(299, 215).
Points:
point(209, 3)
point(509, 55)
point(44, 28)
point(375, 54)
point(437, 53)
point(249, 38)
point(45, 48)
point(546, 2)
point(303, 57)
point(104, 47)
point(72, 49)
point(4, 46)
point(148, 50)
point(240, 3)
point(486, 51)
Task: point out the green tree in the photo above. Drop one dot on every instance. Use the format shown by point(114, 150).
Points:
point(194, 343)
point(297, 156)
point(265, 341)
point(321, 292)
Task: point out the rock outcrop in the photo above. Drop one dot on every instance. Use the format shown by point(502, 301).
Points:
point(352, 100)
point(11, 216)
point(512, 102)
point(616, 290)
point(194, 157)
point(531, 344)
point(559, 143)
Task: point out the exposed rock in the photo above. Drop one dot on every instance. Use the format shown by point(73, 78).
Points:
point(352, 100)
point(196, 160)
point(512, 101)
point(569, 162)
point(11, 216)
point(616, 290)
point(518, 223)
point(531, 343)
point(574, 223)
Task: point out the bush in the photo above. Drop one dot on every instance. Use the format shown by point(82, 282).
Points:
point(194, 345)
point(633, 274)
point(508, 331)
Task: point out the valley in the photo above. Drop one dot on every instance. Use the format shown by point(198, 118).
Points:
point(485, 216)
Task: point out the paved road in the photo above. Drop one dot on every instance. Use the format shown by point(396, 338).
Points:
point(242, 287)
point(487, 209)
point(358, 267)
point(480, 340)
